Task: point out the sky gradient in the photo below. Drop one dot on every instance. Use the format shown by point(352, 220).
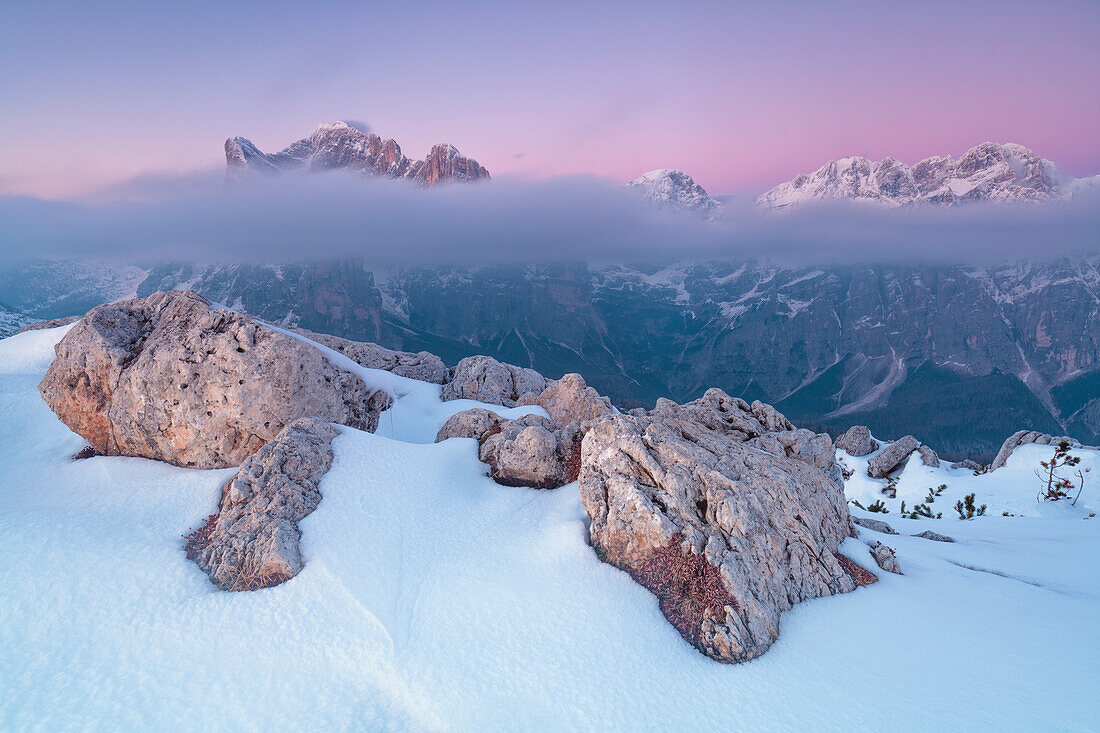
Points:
point(740, 95)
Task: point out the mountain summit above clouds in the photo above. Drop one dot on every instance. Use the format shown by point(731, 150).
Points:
point(676, 190)
point(987, 172)
point(341, 146)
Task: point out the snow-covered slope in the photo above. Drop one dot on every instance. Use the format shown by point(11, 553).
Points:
point(435, 599)
point(676, 190)
point(987, 172)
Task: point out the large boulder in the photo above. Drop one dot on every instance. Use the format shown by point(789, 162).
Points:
point(253, 541)
point(891, 456)
point(857, 441)
point(171, 378)
point(1025, 437)
point(421, 365)
point(528, 451)
point(569, 400)
point(928, 456)
point(485, 379)
point(726, 535)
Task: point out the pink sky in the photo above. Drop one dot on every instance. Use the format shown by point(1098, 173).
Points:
point(742, 96)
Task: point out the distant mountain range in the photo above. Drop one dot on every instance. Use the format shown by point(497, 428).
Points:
point(341, 146)
point(675, 190)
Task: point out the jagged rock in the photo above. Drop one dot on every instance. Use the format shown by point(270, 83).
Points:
point(51, 323)
point(968, 464)
point(171, 378)
point(569, 400)
point(803, 445)
point(874, 524)
point(1025, 437)
point(857, 441)
point(254, 541)
point(485, 379)
point(885, 558)
point(934, 536)
point(733, 416)
point(421, 365)
point(928, 457)
point(891, 456)
point(664, 494)
point(528, 451)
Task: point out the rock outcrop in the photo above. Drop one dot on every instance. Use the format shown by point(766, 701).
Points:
point(485, 379)
point(891, 456)
point(570, 401)
point(528, 451)
point(885, 558)
point(934, 536)
point(1025, 437)
point(51, 323)
point(874, 524)
point(727, 536)
point(171, 378)
point(254, 539)
point(928, 457)
point(421, 365)
point(857, 441)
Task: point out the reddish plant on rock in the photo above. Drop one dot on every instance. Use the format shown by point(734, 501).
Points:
point(199, 539)
point(860, 575)
point(689, 589)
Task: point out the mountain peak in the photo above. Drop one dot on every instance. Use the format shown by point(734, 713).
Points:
point(672, 189)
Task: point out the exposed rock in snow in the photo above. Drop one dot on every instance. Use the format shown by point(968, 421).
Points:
point(485, 379)
point(569, 400)
point(674, 502)
point(874, 524)
point(421, 365)
point(340, 146)
point(857, 441)
point(51, 323)
point(892, 456)
point(987, 172)
point(885, 558)
point(934, 536)
point(254, 542)
point(967, 464)
point(675, 190)
point(1025, 437)
point(171, 378)
point(928, 456)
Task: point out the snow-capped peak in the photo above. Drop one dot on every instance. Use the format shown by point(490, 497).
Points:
point(674, 189)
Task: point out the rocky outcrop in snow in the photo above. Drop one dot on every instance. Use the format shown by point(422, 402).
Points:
point(928, 457)
point(1025, 437)
point(891, 456)
point(885, 558)
point(170, 377)
point(570, 401)
point(253, 542)
point(874, 525)
point(857, 441)
point(727, 536)
point(674, 190)
point(987, 172)
point(421, 365)
point(485, 379)
point(341, 146)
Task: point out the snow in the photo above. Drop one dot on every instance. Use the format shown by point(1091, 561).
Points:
point(435, 599)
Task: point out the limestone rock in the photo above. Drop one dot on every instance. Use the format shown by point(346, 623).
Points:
point(885, 558)
point(171, 378)
point(934, 536)
point(569, 400)
point(857, 441)
point(803, 445)
point(891, 456)
point(1025, 437)
point(928, 457)
point(472, 423)
point(874, 524)
point(485, 379)
point(254, 542)
point(716, 410)
point(968, 464)
point(421, 365)
point(672, 500)
point(51, 323)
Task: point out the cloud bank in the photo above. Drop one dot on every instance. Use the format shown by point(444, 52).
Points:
point(390, 223)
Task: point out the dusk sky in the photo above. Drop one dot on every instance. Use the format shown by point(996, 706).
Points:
point(740, 95)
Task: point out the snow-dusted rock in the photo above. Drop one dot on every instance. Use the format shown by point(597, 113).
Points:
point(885, 558)
point(485, 379)
point(254, 541)
point(857, 441)
point(874, 524)
point(928, 456)
point(891, 456)
point(171, 378)
point(421, 365)
point(569, 400)
point(676, 504)
point(675, 190)
point(1025, 437)
point(934, 536)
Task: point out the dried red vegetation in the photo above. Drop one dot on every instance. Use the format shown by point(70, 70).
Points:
point(688, 588)
point(859, 574)
point(199, 539)
point(85, 452)
point(573, 463)
point(250, 579)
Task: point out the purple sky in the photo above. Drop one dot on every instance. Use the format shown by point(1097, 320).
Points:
point(740, 95)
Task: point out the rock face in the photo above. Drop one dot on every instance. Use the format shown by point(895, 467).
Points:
point(485, 379)
point(341, 146)
point(733, 416)
point(1025, 437)
point(570, 401)
point(857, 441)
point(987, 172)
point(727, 536)
point(529, 451)
point(171, 378)
point(892, 456)
point(422, 365)
point(675, 190)
point(254, 542)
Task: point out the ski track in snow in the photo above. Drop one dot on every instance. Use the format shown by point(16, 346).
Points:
point(435, 599)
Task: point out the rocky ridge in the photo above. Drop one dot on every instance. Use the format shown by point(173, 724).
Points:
point(673, 190)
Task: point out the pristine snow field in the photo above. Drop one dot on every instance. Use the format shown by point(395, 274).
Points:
point(434, 599)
